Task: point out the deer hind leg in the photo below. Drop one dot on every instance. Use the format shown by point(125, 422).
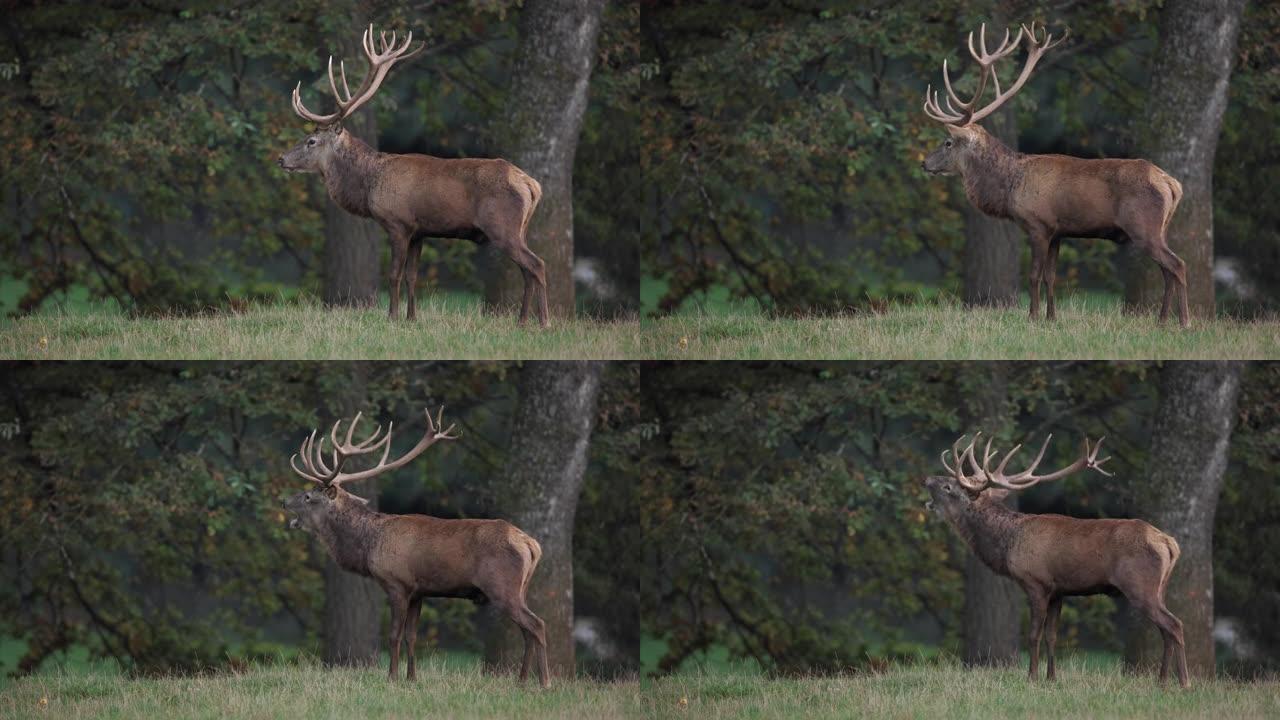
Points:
point(411, 269)
point(411, 619)
point(538, 630)
point(1051, 631)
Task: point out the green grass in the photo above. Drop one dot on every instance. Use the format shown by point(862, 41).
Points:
point(1089, 326)
point(445, 328)
point(947, 690)
point(311, 691)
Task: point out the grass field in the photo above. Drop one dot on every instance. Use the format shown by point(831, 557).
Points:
point(948, 690)
point(311, 691)
point(1088, 327)
point(307, 330)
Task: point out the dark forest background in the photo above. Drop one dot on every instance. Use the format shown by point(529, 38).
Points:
point(140, 509)
point(783, 516)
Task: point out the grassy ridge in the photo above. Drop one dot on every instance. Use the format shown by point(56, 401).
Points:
point(951, 691)
point(1086, 328)
point(310, 691)
point(307, 330)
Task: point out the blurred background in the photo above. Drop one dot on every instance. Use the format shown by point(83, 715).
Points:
point(141, 523)
point(782, 144)
point(138, 145)
point(785, 531)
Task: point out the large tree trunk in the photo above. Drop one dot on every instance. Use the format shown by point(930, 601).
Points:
point(992, 246)
point(1182, 117)
point(352, 245)
point(992, 603)
point(544, 471)
point(1179, 495)
point(352, 603)
point(545, 108)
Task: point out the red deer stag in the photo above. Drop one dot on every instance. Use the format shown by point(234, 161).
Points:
point(1054, 556)
point(414, 556)
point(1053, 196)
point(418, 196)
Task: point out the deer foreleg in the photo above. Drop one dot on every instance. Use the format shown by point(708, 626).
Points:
point(411, 269)
point(399, 251)
point(411, 628)
point(1050, 279)
point(1039, 254)
point(399, 608)
point(1039, 610)
point(1051, 624)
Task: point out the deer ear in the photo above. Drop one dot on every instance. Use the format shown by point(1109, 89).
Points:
point(331, 492)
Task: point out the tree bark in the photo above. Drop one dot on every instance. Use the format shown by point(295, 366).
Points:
point(352, 629)
point(1182, 118)
point(992, 246)
point(992, 603)
point(352, 244)
point(550, 435)
point(546, 104)
point(1179, 495)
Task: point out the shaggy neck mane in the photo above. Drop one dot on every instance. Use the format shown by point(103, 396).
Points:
point(350, 534)
point(991, 173)
point(350, 172)
point(989, 529)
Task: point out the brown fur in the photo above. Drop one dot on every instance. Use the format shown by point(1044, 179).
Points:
point(415, 556)
point(1054, 556)
point(1057, 196)
point(418, 196)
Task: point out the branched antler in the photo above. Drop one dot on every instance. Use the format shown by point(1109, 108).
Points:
point(380, 63)
point(959, 112)
point(983, 476)
point(315, 469)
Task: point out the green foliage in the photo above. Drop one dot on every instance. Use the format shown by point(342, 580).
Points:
point(140, 505)
point(784, 509)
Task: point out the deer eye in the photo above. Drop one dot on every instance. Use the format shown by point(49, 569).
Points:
point(306, 498)
point(312, 141)
point(948, 143)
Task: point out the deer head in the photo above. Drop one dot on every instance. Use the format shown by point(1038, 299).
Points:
point(311, 507)
point(311, 154)
point(959, 117)
point(952, 494)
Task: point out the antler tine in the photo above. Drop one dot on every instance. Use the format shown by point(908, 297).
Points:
point(1093, 463)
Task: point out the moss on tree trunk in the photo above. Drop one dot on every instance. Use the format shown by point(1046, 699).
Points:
point(1179, 495)
point(545, 107)
point(1179, 132)
point(550, 435)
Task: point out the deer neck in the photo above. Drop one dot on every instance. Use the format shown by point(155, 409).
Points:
point(350, 534)
point(349, 173)
point(992, 172)
point(990, 530)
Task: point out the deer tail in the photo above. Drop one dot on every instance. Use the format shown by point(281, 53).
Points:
point(1171, 547)
point(534, 554)
point(534, 188)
